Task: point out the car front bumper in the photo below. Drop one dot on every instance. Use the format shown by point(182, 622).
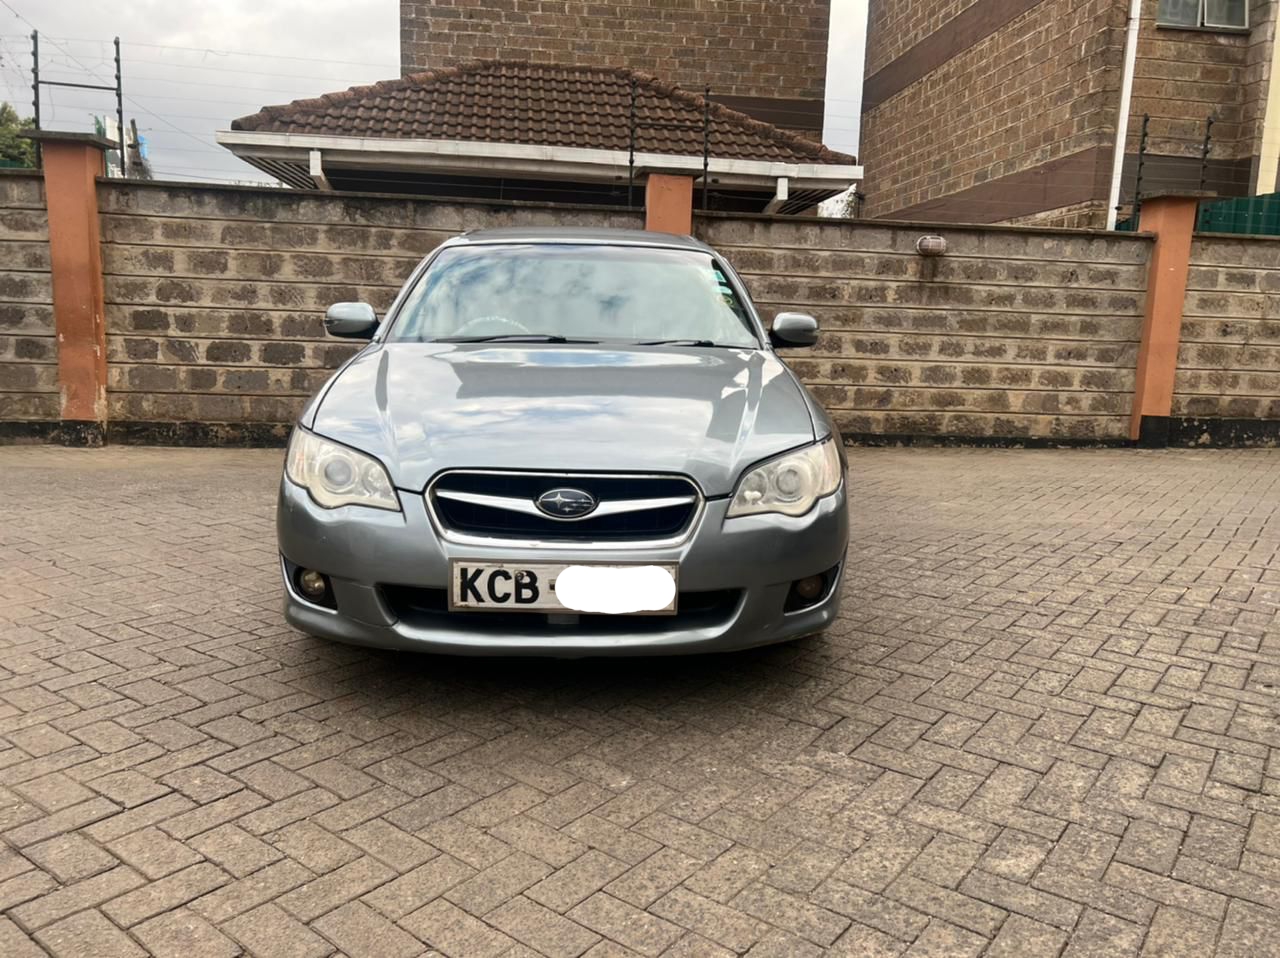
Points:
point(365, 551)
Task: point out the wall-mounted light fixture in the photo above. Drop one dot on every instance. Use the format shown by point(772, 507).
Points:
point(931, 245)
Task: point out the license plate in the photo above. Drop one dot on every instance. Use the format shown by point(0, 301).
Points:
point(592, 587)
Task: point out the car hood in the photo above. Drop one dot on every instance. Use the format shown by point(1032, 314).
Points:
point(424, 407)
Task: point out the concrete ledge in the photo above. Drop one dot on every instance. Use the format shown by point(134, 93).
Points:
point(250, 435)
point(67, 432)
point(1191, 431)
point(982, 442)
point(246, 435)
point(1174, 432)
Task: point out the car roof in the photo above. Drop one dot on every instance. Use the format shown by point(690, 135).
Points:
point(583, 235)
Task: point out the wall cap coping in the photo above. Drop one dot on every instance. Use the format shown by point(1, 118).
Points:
point(64, 136)
point(340, 196)
point(1178, 195)
point(1250, 237)
point(923, 226)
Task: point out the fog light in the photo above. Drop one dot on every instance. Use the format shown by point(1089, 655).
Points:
point(810, 587)
point(312, 584)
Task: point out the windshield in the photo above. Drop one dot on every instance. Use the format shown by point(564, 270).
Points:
point(590, 293)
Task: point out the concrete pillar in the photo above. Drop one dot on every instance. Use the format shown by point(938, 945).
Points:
point(1172, 218)
point(668, 203)
point(72, 162)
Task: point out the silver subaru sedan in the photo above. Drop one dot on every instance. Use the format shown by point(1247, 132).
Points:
point(564, 442)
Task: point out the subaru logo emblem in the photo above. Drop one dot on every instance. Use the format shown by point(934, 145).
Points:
point(566, 503)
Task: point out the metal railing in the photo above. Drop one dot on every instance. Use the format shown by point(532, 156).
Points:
point(636, 124)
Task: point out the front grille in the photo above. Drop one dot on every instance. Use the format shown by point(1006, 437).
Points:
point(521, 489)
point(425, 608)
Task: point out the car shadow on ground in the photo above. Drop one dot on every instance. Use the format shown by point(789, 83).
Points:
point(751, 677)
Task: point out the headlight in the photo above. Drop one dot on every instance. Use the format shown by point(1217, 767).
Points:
point(790, 484)
point(337, 475)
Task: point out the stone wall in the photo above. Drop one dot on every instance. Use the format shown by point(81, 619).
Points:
point(1229, 362)
point(1015, 333)
point(28, 349)
point(215, 296)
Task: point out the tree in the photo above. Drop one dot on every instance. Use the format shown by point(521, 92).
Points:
point(14, 148)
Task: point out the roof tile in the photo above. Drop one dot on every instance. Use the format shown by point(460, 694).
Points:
point(498, 101)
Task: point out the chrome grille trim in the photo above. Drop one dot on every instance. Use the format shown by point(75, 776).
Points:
point(608, 507)
point(614, 508)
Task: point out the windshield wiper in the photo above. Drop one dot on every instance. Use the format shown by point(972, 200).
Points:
point(685, 342)
point(512, 338)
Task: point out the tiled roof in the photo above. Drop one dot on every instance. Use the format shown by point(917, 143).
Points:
point(538, 104)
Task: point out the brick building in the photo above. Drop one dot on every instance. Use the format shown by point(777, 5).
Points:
point(1006, 110)
point(763, 58)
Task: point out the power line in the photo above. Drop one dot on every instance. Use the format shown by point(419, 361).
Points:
point(210, 51)
point(136, 105)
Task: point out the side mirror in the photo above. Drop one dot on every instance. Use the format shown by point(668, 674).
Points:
point(351, 321)
point(794, 329)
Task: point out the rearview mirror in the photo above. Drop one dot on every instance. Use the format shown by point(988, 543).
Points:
point(794, 329)
point(351, 321)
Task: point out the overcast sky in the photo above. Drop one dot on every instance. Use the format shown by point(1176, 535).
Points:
point(190, 68)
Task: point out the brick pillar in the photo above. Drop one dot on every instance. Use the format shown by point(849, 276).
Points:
point(668, 203)
point(1172, 217)
point(72, 162)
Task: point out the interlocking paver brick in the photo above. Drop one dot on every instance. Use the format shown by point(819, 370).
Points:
point(1016, 897)
point(24, 887)
point(1175, 933)
point(498, 883)
point(329, 891)
point(362, 933)
point(272, 780)
point(468, 844)
point(53, 791)
point(539, 840)
point(781, 944)
point(1021, 937)
point(1246, 926)
point(402, 895)
point(544, 930)
point(169, 892)
point(1042, 724)
point(87, 933)
point(268, 931)
point(235, 850)
point(455, 932)
point(1149, 846)
point(14, 943)
point(201, 783)
point(264, 885)
point(576, 881)
point(183, 934)
point(720, 923)
point(69, 899)
point(629, 926)
point(71, 857)
point(62, 821)
point(390, 845)
point(942, 940)
point(153, 853)
point(314, 847)
point(648, 881)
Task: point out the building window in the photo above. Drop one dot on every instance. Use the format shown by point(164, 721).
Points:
point(1211, 14)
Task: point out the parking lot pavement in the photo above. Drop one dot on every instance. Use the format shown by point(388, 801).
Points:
point(1047, 724)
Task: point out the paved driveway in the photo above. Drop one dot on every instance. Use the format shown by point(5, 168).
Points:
point(1048, 723)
